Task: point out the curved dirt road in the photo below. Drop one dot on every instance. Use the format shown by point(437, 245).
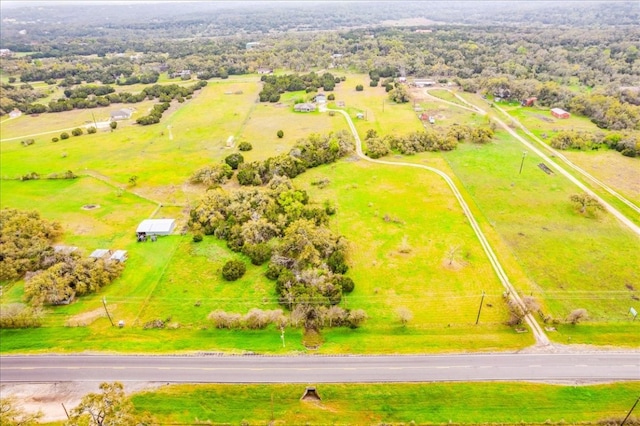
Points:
point(540, 336)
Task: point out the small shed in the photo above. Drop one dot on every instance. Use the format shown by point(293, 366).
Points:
point(360, 115)
point(528, 102)
point(119, 255)
point(121, 114)
point(100, 254)
point(150, 227)
point(560, 113)
point(320, 98)
point(304, 107)
point(15, 113)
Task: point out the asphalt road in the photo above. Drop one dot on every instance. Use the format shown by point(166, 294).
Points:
point(585, 367)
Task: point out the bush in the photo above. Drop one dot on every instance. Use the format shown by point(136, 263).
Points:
point(64, 135)
point(331, 97)
point(197, 237)
point(245, 146)
point(18, 315)
point(91, 130)
point(77, 131)
point(27, 142)
point(280, 134)
point(359, 88)
point(233, 270)
point(113, 125)
point(346, 283)
point(234, 160)
point(258, 253)
point(54, 139)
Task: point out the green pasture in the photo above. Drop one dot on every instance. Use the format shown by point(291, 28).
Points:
point(405, 403)
point(575, 261)
point(381, 114)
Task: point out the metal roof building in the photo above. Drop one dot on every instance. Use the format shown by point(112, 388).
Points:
point(156, 227)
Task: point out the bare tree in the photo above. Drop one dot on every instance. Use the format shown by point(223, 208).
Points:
point(404, 315)
point(577, 315)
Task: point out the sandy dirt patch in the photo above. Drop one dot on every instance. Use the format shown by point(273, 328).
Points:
point(52, 398)
point(86, 318)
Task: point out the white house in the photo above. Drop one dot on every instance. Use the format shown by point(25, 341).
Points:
point(320, 98)
point(305, 107)
point(121, 114)
point(100, 254)
point(156, 227)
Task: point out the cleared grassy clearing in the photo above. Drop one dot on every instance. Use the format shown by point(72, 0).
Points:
point(504, 403)
point(421, 215)
point(576, 262)
point(381, 115)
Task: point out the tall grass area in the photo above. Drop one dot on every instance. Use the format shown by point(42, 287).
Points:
point(576, 261)
point(437, 403)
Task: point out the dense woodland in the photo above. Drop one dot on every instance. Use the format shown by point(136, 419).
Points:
point(579, 59)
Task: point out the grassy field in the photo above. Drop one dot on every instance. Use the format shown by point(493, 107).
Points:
point(457, 403)
point(410, 244)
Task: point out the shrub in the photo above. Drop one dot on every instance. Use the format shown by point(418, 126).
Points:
point(18, 315)
point(258, 253)
point(359, 88)
point(346, 283)
point(374, 83)
point(91, 130)
point(197, 237)
point(64, 135)
point(234, 160)
point(331, 97)
point(280, 134)
point(77, 131)
point(245, 146)
point(233, 270)
point(54, 139)
point(27, 142)
point(113, 125)
point(577, 315)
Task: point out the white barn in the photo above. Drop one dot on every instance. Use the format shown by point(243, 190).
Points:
point(156, 227)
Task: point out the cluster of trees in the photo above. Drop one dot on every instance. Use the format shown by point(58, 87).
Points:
point(607, 112)
point(12, 97)
point(211, 175)
point(274, 85)
point(65, 276)
point(26, 240)
point(626, 143)
point(279, 225)
point(424, 141)
point(50, 277)
point(307, 153)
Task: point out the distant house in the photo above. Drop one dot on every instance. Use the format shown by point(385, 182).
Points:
point(5, 53)
point(305, 107)
point(119, 256)
point(360, 115)
point(182, 74)
point(15, 113)
point(320, 98)
point(265, 71)
point(560, 113)
point(528, 102)
point(423, 83)
point(121, 114)
point(156, 227)
point(100, 254)
point(252, 45)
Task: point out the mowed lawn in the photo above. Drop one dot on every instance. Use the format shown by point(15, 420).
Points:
point(575, 261)
point(406, 403)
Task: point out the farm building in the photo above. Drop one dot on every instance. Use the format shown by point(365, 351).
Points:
point(305, 107)
point(528, 102)
point(15, 113)
point(121, 114)
point(156, 227)
point(423, 83)
point(119, 255)
point(100, 254)
point(560, 113)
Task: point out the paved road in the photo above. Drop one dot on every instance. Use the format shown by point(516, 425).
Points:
point(589, 367)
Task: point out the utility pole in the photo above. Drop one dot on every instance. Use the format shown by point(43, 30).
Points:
point(104, 302)
point(630, 411)
point(480, 308)
point(524, 154)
